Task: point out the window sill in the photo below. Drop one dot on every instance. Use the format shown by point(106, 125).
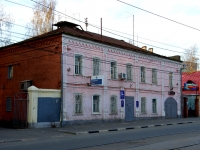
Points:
point(113, 114)
point(80, 114)
point(143, 83)
point(130, 81)
point(113, 79)
point(96, 113)
point(78, 75)
point(154, 114)
point(143, 113)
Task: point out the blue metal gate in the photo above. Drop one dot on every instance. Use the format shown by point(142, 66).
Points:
point(170, 107)
point(129, 108)
point(49, 109)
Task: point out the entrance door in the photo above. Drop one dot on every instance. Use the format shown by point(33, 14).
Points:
point(170, 107)
point(129, 108)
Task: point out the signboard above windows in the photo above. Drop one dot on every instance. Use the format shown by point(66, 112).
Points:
point(97, 80)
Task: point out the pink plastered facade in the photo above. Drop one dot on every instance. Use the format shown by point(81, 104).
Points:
point(81, 84)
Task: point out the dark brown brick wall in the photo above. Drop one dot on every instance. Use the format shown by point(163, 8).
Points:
point(39, 61)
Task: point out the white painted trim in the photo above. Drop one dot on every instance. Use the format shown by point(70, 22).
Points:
point(132, 53)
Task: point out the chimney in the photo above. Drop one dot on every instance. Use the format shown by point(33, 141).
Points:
point(63, 24)
point(144, 47)
point(151, 50)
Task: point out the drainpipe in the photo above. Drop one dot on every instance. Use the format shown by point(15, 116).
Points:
point(181, 93)
point(61, 111)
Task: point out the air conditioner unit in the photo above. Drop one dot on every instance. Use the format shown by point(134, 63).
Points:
point(123, 76)
point(24, 85)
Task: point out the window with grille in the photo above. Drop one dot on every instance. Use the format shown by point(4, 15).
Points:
point(10, 72)
point(142, 71)
point(78, 65)
point(113, 104)
point(143, 105)
point(154, 76)
point(129, 69)
point(113, 70)
point(154, 106)
point(96, 101)
point(170, 79)
point(78, 103)
point(8, 104)
point(96, 66)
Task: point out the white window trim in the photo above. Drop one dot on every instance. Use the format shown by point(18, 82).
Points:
point(131, 71)
point(74, 112)
point(77, 54)
point(144, 74)
point(156, 106)
point(116, 70)
point(97, 113)
point(116, 112)
point(99, 66)
point(145, 105)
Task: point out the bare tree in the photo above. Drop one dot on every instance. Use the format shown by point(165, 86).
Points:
point(6, 24)
point(43, 17)
point(190, 59)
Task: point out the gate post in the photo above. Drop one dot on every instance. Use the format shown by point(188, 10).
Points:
point(197, 107)
point(185, 108)
point(32, 106)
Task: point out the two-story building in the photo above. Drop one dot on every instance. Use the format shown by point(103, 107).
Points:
point(100, 78)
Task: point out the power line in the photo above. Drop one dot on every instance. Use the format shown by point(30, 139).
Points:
point(159, 16)
point(85, 57)
point(99, 28)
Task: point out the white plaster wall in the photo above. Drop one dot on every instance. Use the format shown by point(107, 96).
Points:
point(78, 84)
point(34, 93)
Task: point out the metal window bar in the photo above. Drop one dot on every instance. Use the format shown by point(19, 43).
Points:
point(113, 70)
point(142, 74)
point(113, 105)
point(154, 76)
point(154, 106)
point(129, 72)
point(78, 104)
point(143, 105)
point(170, 79)
point(78, 65)
point(96, 67)
point(95, 103)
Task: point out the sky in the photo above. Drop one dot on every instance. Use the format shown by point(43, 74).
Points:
point(165, 37)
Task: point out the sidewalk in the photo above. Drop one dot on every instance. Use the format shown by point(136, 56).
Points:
point(16, 135)
point(117, 126)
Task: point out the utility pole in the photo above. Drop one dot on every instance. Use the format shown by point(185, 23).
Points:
point(86, 23)
point(133, 29)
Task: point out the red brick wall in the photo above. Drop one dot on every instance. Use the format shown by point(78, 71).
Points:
point(38, 61)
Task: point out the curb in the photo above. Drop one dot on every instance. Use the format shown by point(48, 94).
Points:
point(127, 128)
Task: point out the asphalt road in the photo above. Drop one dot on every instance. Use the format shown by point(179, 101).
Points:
point(182, 136)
